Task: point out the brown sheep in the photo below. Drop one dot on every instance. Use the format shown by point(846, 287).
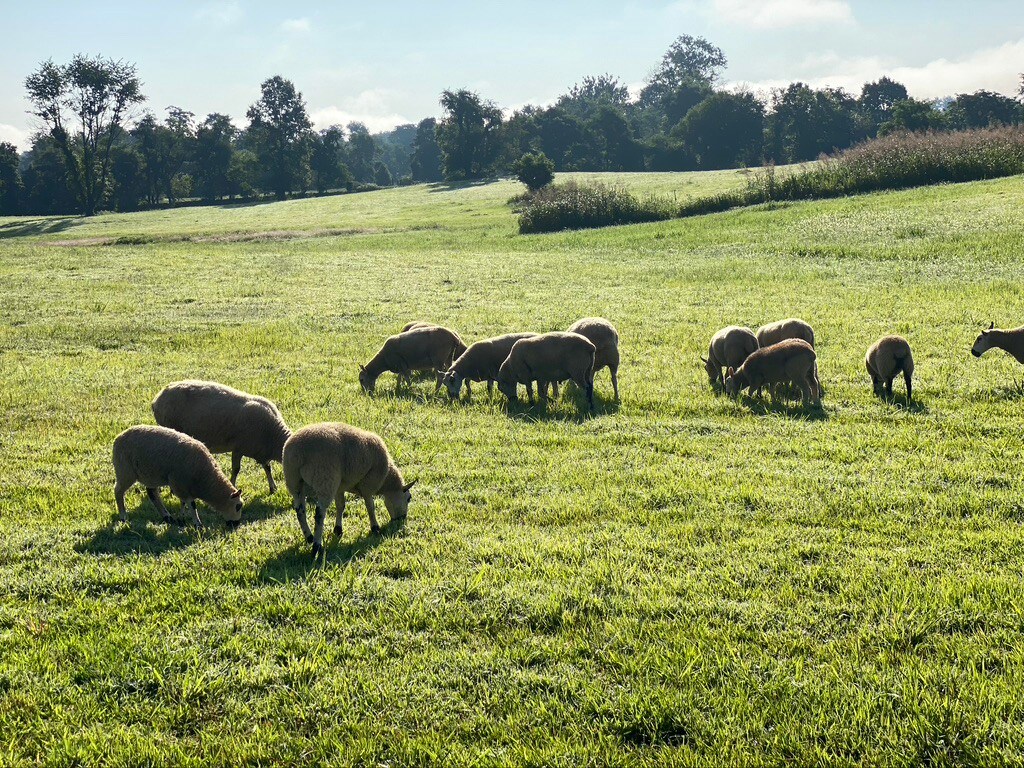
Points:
point(885, 359)
point(225, 419)
point(790, 361)
point(792, 328)
point(331, 459)
point(421, 349)
point(728, 349)
point(416, 324)
point(157, 457)
point(1012, 341)
point(549, 357)
point(480, 362)
point(602, 335)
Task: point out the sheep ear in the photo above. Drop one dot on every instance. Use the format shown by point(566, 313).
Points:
point(362, 367)
point(704, 360)
point(237, 494)
point(992, 325)
point(407, 486)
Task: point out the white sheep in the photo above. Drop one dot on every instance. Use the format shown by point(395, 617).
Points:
point(549, 357)
point(225, 419)
point(431, 348)
point(728, 349)
point(331, 459)
point(605, 338)
point(480, 362)
point(157, 457)
point(886, 358)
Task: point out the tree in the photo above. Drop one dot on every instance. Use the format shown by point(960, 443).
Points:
point(724, 131)
point(361, 153)
point(127, 174)
point(395, 149)
point(804, 123)
point(165, 149)
point(688, 61)
point(913, 115)
point(613, 146)
point(426, 155)
point(280, 127)
point(10, 180)
point(382, 175)
point(83, 106)
point(214, 148)
point(325, 159)
point(47, 182)
point(467, 135)
point(535, 170)
point(982, 109)
point(876, 103)
point(583, 99)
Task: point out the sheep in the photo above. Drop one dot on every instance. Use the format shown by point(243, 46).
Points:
point(481, 361)
point(792, 361)
point(158, 457)
point(416, 324)
point(885, 359)
point(729, 348)
point(793, 328)
point(225, 419)
point(549, 357)
point(421, 349)
point(327, 460)
point(1012, 341)
point(602, 335)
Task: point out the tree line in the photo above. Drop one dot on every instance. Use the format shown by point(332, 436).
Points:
point(97, 149)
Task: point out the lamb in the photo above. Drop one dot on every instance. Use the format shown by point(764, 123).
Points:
point(158, 457)
point(1012, 341)
point(885, 359)
point(549, 357)
point(225, 419)
point(326, 461)
point(729, 348)
point(793, 328)
point(421, 349)
point(481, 361)
point(790, 361)
point(602, 335)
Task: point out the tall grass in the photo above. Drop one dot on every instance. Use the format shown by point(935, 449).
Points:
point(898, 161)
point(585, 206)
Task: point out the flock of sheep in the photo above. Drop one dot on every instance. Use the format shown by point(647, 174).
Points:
point(325, 461)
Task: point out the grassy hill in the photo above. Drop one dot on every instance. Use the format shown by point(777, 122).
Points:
point(681, 579)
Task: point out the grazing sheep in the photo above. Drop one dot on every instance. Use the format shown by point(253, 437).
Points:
point(793, 328)
point(549, 357)
point(728, 349)
point(1012, 341)
point(225, 419)
point(480, 362)
point(790, 361)
point(326, 461)
point(422, 349)
point(602, 335)
point(886, 358)
point(158, 457)
point(416, 324)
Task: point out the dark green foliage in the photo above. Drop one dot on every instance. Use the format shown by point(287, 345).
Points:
point(805, 123)
point(724, 131)
point(83, 106)
point(877, 101)
point(10, 180)
point(325, 163)
point(279, 129)
point(585, 98)
point(165, 149)
point(46, 180)
point(468, 135)
point(382, 176)
point(129, 180)
point(214, 148)
point(583, 206)
point(984, 108)
point(425, 164)
point(361, 153)
point(534, 170)
point(395, 149)
point(913, 115)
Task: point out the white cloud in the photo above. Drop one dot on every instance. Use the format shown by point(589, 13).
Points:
point(993, 69)
point(775, 14)
point(16, 136)
point(370, 107)
point(296, 26)
point(222, 13)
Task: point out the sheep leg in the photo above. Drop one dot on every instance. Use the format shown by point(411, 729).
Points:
point(300, 513)
point(888, 388)
point(374, 527)
point(805, 392)
point(529, 391)
point(119, 490)
point(906, 379)
point(469, 391)
point(236, 467)
point(590, 394)
point(318, 527)
point(186, 505)
point(339, 508)
point(490, 388)
point(438, 378)
point(154, 496)
point(554, 390)
point(542, 392)
point(270, 478)
point(615, 381)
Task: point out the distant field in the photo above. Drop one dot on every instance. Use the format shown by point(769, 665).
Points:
point(679, 580)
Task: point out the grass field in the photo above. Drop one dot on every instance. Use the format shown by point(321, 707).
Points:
point(679, 580)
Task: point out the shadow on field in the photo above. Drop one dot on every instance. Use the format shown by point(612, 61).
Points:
point(452, 186)
point(38, 226)
point(899, 402)
point(575, 408)
point(763, 407)
point(145, 533)
point(296, 562)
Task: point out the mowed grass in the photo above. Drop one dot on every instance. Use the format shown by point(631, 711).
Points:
point(677, 580)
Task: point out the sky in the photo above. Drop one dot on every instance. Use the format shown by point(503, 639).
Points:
point(386, 62)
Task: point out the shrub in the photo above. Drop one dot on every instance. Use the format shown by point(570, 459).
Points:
point(536, 171)
point(582, 206)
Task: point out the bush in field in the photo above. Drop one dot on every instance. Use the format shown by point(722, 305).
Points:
point(583, 206)
point(897, 161)
point(534, 170)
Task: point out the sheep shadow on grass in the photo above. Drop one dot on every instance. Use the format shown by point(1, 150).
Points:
point(146, 533)
point(296, 562)
point(27, 228)
point(574, 408)
point(788, 408)
point(899, 402)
